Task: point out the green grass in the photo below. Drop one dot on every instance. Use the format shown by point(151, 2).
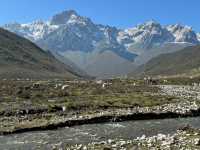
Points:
point(121, 94)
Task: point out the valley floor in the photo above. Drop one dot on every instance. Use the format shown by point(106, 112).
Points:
point(28, 105)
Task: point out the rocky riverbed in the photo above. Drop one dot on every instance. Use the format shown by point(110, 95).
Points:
point(183, 91)
point(184, 139)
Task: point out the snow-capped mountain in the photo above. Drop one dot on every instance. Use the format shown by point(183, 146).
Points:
point(151, 34)
point(145, 36)
point(33, 31)
point(183, 34)
point(84, 42)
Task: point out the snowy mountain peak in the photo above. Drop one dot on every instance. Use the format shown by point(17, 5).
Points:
point(178, 27)
point(38, 22)
point(69, 17)
point(183, 33)
point(148, 34)
point(63, 17)
point(149, 25)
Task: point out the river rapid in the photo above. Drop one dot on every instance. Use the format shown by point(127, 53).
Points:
point(93, 133)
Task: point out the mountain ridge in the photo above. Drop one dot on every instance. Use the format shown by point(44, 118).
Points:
point(184, 61)
point(20, 58)
point(80, 40)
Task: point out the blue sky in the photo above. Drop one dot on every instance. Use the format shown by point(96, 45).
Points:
point(119, 13)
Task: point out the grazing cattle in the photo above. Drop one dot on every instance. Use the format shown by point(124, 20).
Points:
point(104, 85)
point(150, 81)
point(36, 85)
point(27, 88)
point(153, 82)
point(165, 81)
point(64, 108)
point(64, 87)
point(195, 84)
point(58, 85)
point(99, 82)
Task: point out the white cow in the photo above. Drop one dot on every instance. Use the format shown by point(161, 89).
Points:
point(65, 87)
point(64, 108)
point(99, 82)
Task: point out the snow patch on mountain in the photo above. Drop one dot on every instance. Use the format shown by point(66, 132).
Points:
point(198, 36)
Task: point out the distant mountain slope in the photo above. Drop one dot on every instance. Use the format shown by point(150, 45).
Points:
point(71, 66)
point(162, 49)
point(20, 58)
point(108, 64)
point(183, 61)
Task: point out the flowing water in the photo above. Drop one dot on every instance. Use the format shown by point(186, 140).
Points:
point(93, 133)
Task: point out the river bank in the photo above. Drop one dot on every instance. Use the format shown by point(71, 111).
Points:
point(55, 121)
